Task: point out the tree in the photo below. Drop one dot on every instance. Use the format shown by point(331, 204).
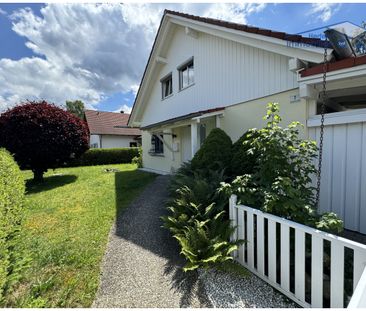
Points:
point(75, 107)
point(42, 136)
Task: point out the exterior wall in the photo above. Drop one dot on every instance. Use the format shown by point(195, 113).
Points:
point(166, 162)
point(237, 119)
point(226, 73)
point(95, 139)
point(111, 141)
point(116, 141)
point(240, 118)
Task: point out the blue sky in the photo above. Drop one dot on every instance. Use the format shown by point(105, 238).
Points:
point(97, 53)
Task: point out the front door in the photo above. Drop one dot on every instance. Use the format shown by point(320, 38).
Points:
point(186, 144)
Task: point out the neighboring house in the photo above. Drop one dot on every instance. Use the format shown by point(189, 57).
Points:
point(204, 73)
point(109, 130)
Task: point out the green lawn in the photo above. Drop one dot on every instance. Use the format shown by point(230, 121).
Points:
point(66, 227)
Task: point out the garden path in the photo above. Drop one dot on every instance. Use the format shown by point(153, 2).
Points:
point(142, 266)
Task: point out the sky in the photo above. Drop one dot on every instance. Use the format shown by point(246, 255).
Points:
point(98, 52)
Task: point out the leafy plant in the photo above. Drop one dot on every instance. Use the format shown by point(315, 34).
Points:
point(198, 218)
point(280, 166)
point(138, 158)
point(12, 259)
point(42, 136)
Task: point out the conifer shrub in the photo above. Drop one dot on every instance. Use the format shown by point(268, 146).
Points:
point(215, 152)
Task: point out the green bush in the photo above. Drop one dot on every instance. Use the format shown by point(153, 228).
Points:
point(138, 159)
point(198, 218)
point(11, 213)
point(280, 182)
point(243, 158)
point(215, 152)
point(106, 156)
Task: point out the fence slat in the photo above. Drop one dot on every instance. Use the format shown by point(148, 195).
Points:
point(260, 244)
point(336, 275)
point(316, 272)
point(359, 261)
point(300, 264)
point(241, 235)
point(234, 221)
point(272, 250)
point(250, 239)
point(285, 257)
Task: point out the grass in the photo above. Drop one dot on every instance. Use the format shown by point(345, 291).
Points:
point(65, 231)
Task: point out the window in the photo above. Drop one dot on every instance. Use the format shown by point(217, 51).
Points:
point(167, 86)
point(186, 74)
point(157, 146)
point(133, 144)
point(202, 133)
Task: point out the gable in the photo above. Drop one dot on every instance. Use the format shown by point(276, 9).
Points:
point(230, 68)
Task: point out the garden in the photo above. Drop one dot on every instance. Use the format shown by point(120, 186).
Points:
point(54, 222)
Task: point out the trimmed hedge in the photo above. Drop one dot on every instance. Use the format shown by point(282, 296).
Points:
point(215, 152)
point(106, 156)
point(12, 190)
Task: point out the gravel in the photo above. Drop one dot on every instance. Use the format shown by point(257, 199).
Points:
point(226, 290)
point(142, 266)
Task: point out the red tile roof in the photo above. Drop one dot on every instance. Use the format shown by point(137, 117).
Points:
point(337, 65)
point(184, 117)
point(260, 31)
point(109, 123)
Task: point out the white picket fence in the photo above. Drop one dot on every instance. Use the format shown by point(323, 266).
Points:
point(296, 260)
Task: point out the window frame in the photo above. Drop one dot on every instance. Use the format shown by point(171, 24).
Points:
point(186, 66)
point(154, 149)
point(163, 82)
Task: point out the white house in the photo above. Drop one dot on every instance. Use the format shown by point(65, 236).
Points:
point(109, 130)
point(204, 73)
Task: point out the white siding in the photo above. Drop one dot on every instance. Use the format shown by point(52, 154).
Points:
point(226, 73)
point(343, 181)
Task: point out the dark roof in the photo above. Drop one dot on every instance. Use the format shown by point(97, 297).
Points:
point(109, 123)
point(259, 31)
point(184, 117)
point(337, 65)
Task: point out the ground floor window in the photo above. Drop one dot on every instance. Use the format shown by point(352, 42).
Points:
point(157, 146)
point(133, 144)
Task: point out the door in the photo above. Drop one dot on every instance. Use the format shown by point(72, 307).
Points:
point(186, 144)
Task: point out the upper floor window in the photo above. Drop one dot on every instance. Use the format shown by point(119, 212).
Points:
point(167, 86)
point(186, 74)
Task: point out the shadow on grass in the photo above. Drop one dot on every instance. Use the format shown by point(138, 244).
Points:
point(49, 183)
point(141, 225)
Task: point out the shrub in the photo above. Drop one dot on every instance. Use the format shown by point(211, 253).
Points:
point(243, 161)
point(198, 218)
point(106, 156)
point(42, 136)
point(281, 180)
point(138, 159)
point(215, 152)
point(11, 213)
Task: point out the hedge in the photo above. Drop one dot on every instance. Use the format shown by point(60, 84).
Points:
point(12, 190)
point(106, 156)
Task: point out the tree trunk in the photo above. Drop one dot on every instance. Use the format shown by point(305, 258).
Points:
point(38, 175)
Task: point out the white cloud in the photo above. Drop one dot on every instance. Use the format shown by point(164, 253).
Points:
point(3, 12)
point(90, 51)
point(324, 11)
point(124, 108)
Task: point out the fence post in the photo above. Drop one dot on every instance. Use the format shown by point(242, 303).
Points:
point(233, 219)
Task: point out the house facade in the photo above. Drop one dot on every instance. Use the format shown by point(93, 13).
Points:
point(204, 73)
point(109, 130)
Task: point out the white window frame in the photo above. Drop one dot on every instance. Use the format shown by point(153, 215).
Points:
point(163, 81)
point(189, 66)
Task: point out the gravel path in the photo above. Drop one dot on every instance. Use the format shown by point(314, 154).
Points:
point(225, 290)
point(142, 267)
